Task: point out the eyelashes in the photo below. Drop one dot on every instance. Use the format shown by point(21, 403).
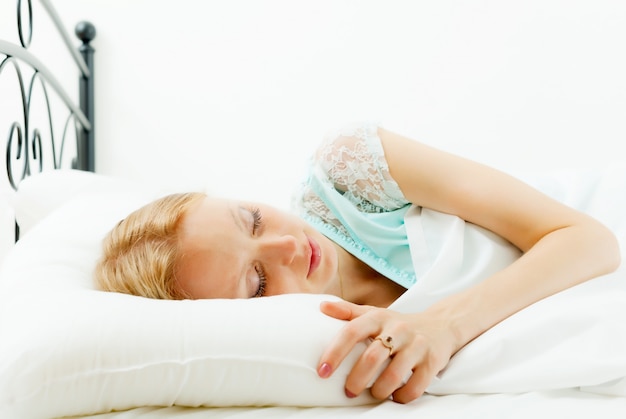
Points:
point(257, 219)
point(257, 224)
point(262, 281)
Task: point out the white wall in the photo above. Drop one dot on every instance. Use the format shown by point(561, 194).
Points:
point(233, 95)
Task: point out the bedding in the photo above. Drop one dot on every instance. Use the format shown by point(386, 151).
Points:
point(557, 404)
point(6, 222)
point(233, 343)
point(115, 352)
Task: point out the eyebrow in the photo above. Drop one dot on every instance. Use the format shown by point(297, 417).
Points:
point(237, 217)
point(236, 214)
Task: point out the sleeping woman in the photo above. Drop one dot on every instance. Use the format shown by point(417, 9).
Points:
point(347, 237)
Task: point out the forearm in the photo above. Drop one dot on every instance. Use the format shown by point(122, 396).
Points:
point(558, 261)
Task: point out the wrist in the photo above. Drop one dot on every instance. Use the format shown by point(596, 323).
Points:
point(459, 317)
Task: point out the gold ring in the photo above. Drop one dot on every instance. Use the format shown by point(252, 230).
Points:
point(387, 343)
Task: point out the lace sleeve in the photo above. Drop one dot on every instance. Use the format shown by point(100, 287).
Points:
point(354, 162)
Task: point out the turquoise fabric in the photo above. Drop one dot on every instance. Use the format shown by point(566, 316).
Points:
point(378, 239)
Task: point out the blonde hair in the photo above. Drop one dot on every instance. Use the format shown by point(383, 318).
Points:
point(141, 252)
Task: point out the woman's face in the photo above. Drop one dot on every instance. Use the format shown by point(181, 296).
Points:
point(233, 249)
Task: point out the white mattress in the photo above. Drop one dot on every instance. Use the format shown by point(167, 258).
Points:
point(571, 404)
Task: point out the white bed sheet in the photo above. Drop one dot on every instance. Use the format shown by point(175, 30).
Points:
point(571, 404)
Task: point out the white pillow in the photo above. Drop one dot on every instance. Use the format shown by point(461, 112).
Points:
point(39, 195)
point(7, 225)
point(68, 349)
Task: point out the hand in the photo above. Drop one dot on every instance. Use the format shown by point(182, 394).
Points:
point(422, 346)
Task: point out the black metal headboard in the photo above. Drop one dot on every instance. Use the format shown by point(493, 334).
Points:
point(44, 144)
point(27, 147)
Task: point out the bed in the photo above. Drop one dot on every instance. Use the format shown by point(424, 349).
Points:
point(68, 350)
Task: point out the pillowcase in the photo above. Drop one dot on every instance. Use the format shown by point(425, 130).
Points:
point(7, 224)
point(68, 349)
point(39, 195)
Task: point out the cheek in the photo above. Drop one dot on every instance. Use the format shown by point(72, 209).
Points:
point(283, 283)
point(285, 221)
point(330, 267)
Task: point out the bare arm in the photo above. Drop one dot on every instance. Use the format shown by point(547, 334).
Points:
point(562, 247)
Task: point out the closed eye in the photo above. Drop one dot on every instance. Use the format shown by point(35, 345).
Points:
point(257, 227)
point(262, 281)
point(257, 220)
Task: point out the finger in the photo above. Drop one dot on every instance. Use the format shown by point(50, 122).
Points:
point(394, 375)
point(343, 310)
point(353, 332)
point(415, 386)
point(366, 369)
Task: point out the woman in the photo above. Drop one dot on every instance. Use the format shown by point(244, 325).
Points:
point(349, 239)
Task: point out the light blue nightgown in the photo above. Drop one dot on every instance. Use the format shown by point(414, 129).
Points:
point(350, 197)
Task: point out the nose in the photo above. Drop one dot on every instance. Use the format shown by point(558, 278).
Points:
point(279, 249)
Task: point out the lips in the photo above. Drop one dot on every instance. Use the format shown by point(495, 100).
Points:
point(316, 256)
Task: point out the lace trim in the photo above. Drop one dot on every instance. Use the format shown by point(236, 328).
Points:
point(354, 162)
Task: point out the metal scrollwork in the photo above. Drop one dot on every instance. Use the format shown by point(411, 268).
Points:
point(17, 149)
point(28, 146)
point(15, 129)
point(24, 144)
point(25, 40)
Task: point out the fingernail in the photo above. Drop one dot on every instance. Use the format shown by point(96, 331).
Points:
point(349, 394)
point(324, 370)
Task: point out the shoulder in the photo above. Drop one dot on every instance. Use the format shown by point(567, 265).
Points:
point(353, 135)
point(350, 141)
point(352, 159)
point(351, 150)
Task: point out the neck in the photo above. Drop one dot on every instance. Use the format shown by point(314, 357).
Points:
point(349, 276)
point(356, 282)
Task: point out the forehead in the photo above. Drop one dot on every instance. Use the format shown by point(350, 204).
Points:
point(208, 210)
point(207, 260)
